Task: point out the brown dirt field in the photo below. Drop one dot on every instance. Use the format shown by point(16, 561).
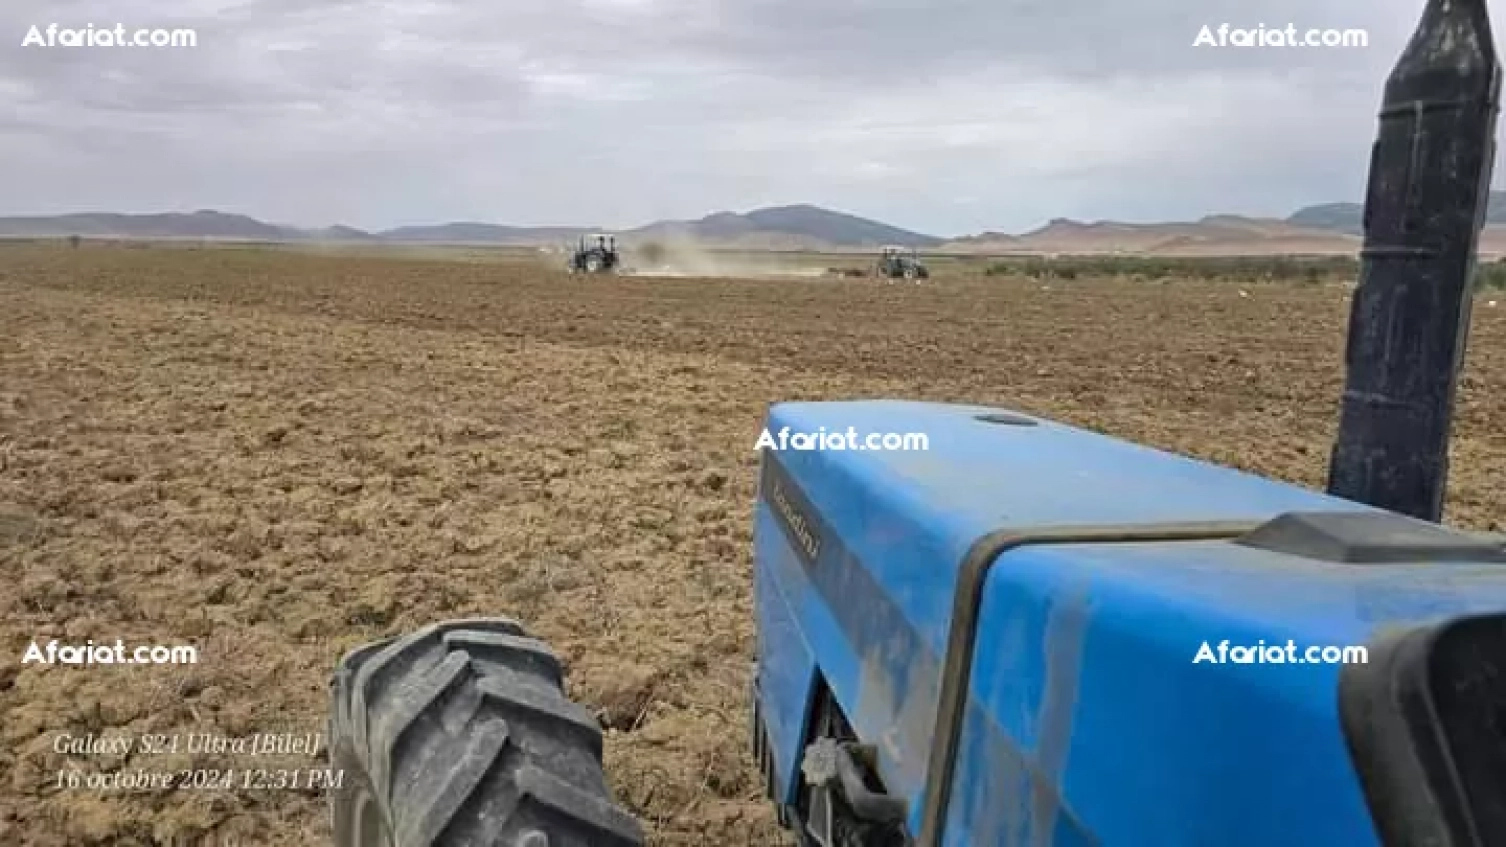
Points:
point(274, 457)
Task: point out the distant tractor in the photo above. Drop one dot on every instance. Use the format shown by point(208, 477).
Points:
point(595, 254)
point(901, 263)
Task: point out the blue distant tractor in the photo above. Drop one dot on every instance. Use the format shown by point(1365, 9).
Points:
point(594, 254)
point(1037, 635)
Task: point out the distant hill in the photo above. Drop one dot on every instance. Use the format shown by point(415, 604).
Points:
point(1348, 218)
point(798, 227)
point(478, 233)
point(342, 233)
point(1211, 236)
point(1337, 217)
point(202, 224)
point(801, 227)
point(1331, 228)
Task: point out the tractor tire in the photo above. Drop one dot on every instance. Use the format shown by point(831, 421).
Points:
point(460, 735)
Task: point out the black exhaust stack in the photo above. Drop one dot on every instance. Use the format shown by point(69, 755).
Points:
point(1429, 186)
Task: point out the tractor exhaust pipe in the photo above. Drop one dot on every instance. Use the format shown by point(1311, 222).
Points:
point(1425, 203)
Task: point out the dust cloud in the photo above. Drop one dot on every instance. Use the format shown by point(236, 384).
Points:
point(687, 259)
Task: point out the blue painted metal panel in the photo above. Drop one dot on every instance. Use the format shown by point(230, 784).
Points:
point(1084, 679)
point(786, 668)
point(912, 515)
point(872, 607)
point(807, 633)
point(904, 520)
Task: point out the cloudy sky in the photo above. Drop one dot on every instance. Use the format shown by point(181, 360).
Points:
point(945, 116)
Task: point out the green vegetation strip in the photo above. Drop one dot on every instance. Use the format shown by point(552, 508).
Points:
point(1489, 275)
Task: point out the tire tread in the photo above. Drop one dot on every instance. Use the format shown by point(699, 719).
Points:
point(463, 736)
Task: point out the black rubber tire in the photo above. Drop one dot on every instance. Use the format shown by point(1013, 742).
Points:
point(460, 735)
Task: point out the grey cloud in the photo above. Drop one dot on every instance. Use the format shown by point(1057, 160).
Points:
point(944, 115)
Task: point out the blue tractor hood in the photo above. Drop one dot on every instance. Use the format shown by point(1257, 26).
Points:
point(1052, 636)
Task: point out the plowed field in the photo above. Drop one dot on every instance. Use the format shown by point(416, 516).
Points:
point(274, 457)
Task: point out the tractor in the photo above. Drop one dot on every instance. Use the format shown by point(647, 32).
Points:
point(904, 263)
point(594, 254)
point(1036, 634)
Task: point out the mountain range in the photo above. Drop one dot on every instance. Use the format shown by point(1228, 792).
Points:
point(1348, 217)
point(1320, 229)
point(792, 227)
